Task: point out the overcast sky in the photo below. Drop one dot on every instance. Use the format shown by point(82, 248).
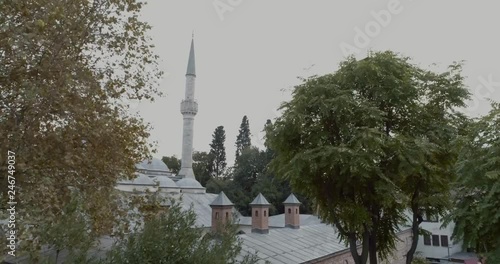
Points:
point(250, 53)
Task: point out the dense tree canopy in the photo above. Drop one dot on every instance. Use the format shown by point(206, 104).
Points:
point(202, 166)
point(67, 71)
point(243, 139)
point(352, 140)
point(173, 163)
point(477, 195)
point(218, 152)
point(172, 238)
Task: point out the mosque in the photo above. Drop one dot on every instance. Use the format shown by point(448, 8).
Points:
point(291, 237)
point(286, 238)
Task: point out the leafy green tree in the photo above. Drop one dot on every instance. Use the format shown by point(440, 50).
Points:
point(346, 139)
point(202, 166)
point(477, 201)
point(67, 72)
point(218, 152)
point(69, 233)
point(173, 163)
point(172, 237)
point(219, 185)
point(243, 139)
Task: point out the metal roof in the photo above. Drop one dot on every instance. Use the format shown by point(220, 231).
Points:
point(279, 220)
point(189, 183)
point(291, 200)
point(286, 245)
point(221, 200)
point(153, 164)
point(191, 69)
point(260, 200)
point(165, 182)
point(201, 206)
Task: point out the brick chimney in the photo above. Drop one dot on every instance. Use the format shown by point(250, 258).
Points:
point(292, 212)
point(222, 211)
point(260, 214)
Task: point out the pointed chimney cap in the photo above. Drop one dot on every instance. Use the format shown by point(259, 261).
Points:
point(292, 200)
point(221, 200)
point(191, 69)
point(260, 200)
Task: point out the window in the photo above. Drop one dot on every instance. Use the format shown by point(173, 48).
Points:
point(256, 213)
point(444, 241)
point(427, 240)
point(296, 210)
point(435, 240)
point(227, 215)
point(265, 213)
point(289, 210)
point(430, 217)
point(216, 215)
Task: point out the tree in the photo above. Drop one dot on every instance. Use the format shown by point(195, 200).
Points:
point(173, 163)
point(345, 139)
point(69, 233)
point(477, 200)
point(202, 166)
point(218, 152)
point(172, 237)
point(67, 71)
point(243, 139)
point(249, 165)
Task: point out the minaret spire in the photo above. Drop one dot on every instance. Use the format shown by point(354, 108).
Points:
point(189, 109)
point(191, 69)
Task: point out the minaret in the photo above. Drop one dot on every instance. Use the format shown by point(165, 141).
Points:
point(189, 108)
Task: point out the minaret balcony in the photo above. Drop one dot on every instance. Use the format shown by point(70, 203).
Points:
point(189, 107)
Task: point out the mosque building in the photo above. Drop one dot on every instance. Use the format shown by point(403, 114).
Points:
point(290, 237)
point(286, 238)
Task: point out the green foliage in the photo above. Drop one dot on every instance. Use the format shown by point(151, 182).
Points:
point(202, 166)
point(173, 163)
point(70, 232)
point(67, 71)
point(353, 141)
point(477, 199)
point(243, 139)
point(249, 177)
point(218, 152)
point(172, 238)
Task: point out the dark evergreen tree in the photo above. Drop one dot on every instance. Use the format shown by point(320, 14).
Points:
point(243, 139)
point(173, 163)
point(202, 168)
point(218, 152)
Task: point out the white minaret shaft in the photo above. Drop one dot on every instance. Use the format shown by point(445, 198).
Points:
point(189, 108)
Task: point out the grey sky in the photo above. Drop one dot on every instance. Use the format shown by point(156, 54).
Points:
point(247, 62)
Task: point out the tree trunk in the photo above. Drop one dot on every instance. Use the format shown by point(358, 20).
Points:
point(416, 221)
point(363, 258)
point(365, 251)
point(414, 242)
point(372, 244)
point(354, 249)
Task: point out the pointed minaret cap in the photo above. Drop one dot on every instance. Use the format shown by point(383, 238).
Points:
point(191, 69)
point(260, 200)
point(291, 200)
point(221, 200)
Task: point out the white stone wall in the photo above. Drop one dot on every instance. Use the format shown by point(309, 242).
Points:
point(438, 251)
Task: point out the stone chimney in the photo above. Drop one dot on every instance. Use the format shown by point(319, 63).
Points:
point(292, 212)
point(260, 214)
point(222, 211)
